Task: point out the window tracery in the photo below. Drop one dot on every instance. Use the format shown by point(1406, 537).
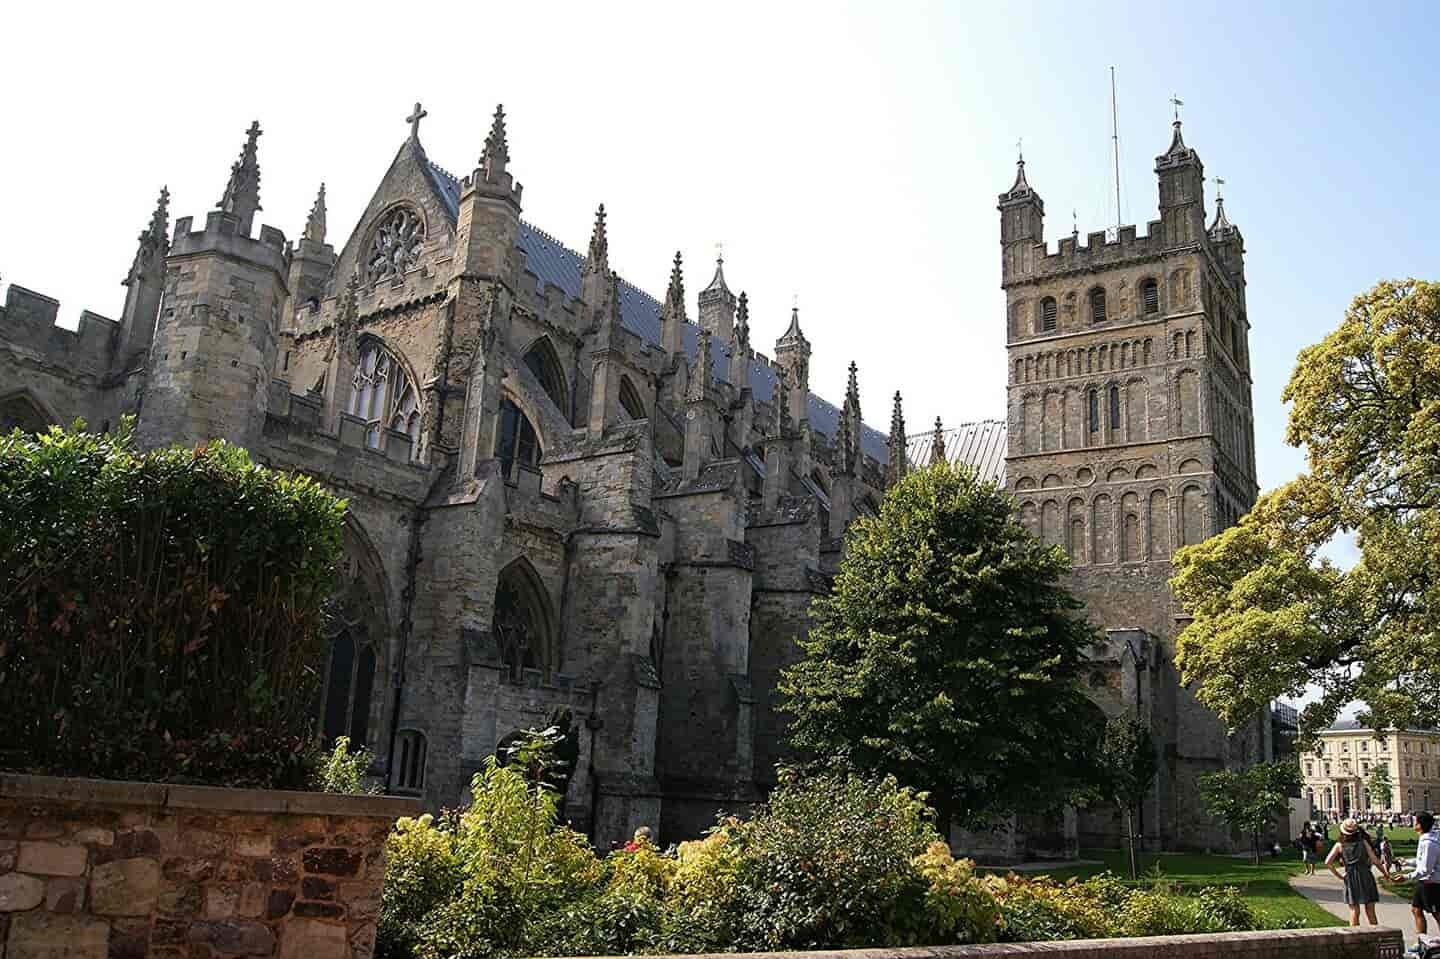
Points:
point(382, 395)
point(395, 244)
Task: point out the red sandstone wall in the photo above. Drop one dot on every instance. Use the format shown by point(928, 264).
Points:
point(112, 870)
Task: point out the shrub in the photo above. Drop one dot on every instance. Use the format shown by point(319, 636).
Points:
point(1226, 907)
point(958, 907)
point(341, 771)
point(159, 610)
point(1034, 910)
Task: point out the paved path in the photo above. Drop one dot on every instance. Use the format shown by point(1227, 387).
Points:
point(1327, 892)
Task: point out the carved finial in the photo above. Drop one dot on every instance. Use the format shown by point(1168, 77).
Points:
point(896, 468)
point(937, 444)
point(598, 258)
point(614, 313)
point(153, 242)
point(414, 119)
point(160, 219)
point(315, 225)
point(242, 193)
point(742, 321)
point(497, 150)
point(675, 293)
point(850, 424)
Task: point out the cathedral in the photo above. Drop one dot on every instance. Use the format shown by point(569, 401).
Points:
point(571, 501)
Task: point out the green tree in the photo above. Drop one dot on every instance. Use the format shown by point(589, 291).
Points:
point(1129, 762)
point(1248, 800)
point(948, 655)
point(1270, 614)
point(1379, 786)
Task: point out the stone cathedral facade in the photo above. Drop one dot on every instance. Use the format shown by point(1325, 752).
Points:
point(1131, 434)
point(564, 493)
point(570, 497)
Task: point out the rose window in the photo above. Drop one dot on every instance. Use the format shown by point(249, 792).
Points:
point(396, 244)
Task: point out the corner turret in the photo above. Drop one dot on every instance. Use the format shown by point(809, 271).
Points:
point(717, 304)
point(1182, 191)
point(792, 353)
point(489, 218)
point(1022, 226)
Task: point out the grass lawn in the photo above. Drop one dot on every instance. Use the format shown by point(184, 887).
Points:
point(1266, 886)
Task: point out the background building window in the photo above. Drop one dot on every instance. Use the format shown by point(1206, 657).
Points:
point(410, 762)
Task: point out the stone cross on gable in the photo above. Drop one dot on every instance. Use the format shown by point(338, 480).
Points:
point(414, 120)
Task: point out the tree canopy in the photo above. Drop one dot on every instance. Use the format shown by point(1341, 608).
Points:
point(947, 655)
point(1271, 613)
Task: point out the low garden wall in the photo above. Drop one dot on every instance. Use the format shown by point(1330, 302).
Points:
point(1338, 943)
point(116, 870)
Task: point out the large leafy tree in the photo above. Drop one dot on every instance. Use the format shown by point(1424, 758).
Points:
point(948, 653)
point(1271, 614)
point(1249, 800)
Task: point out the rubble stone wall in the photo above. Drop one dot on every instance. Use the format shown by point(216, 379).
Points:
point(119, 870)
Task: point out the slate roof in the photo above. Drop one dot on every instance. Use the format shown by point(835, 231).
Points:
point(1355, 726)
point(980, 444)
point(553, 262)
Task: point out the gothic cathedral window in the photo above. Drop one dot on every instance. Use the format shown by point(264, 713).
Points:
point(518, 442)
point(395, 245)
point(356, 624)
point(542, 361)
point(522, 621)
point(383, 396)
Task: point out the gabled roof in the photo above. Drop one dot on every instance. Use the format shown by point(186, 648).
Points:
point(553, 262)
point(980, 444)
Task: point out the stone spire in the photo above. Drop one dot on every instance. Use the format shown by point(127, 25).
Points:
point(793, 333)
point(242, 193)
point(895, 469)
point(850, 425)
point(717, 303)
point(792, 352)
point(594, 282)
point(1222, 228)
point(315, 225)
point(740, 345)
point(152, 240)
point(672, 311)
point(497, 150)
point(937, 444)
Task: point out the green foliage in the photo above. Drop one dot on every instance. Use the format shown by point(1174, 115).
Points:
point(1041, 909)
point(1128, 764)
point(1272, 616)
point(947, 655)
point(341, 771)
point(1379, 786)
point(1249, 800)
point(160, 610)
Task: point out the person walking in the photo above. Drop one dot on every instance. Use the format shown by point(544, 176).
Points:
point(1355, 851)
point(1427, 873)
point(1309, 845)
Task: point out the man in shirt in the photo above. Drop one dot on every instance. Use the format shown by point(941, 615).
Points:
point(1427, 872)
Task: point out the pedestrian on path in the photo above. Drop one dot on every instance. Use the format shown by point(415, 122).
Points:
point(1309, 843)
point(1427, 872)
point(1360, 889)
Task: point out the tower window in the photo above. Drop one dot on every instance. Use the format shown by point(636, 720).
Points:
point(410, 762)
point(1047, 315)
point(518, 442)
point(1097, 305)
point(1150, 296)
point(1114, 407)
point(1094, 403)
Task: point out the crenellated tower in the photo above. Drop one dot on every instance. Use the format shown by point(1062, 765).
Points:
point(214, 346)
point(1131, 435)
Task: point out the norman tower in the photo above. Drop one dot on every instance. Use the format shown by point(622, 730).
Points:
point(1130, 435)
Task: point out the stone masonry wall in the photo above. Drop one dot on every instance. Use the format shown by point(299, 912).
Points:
point(1336, 943)
point(116, 870)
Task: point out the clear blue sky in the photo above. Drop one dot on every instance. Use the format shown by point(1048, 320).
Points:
point(850, 153)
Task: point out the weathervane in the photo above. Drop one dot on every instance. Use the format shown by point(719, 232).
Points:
point(1219, 182)
point(1020, 149)
point(719, 251)
point(1178, 104)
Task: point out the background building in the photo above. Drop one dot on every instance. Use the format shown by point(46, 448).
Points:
point(1336, 772)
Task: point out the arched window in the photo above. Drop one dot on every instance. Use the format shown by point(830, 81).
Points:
point(409, 762)
point(1047, 315)
point(1150, 296)
point(523, 624)
point(383, 396)
point(541, 360)
point(518, 442)
point(1114, 407)
point(356, 622)
point(19, 412)
point(1092, 397)
point(630, 401)
point(1097, 305)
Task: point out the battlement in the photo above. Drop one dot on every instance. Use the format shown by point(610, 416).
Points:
point(222, 235)
point(1098, 252)
point(30, 322)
